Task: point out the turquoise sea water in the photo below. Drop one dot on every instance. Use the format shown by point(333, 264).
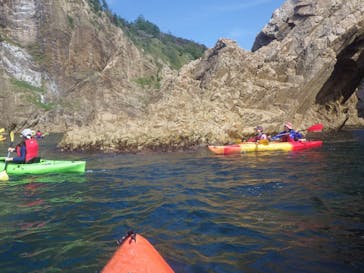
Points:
point(268, 212)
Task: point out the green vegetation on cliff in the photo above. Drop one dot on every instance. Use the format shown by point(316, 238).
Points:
point(146, 35)
point(32, 93)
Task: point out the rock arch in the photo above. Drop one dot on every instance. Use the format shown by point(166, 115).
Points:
point(347, 76)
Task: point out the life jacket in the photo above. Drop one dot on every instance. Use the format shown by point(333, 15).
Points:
point(287, 138)
point(257, 138)
point(18, 149)
point(31, 149)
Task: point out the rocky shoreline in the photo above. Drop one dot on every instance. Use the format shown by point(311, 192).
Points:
point(85, 79)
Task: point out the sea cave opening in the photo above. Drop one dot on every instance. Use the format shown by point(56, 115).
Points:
point(347, 78)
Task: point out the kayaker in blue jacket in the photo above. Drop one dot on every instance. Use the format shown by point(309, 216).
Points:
point(288, 134)
point(27, 150)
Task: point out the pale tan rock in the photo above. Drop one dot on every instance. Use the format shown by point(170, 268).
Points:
point(306, 67)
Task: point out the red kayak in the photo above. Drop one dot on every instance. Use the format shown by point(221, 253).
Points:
point(267, 146)
point(136, 255)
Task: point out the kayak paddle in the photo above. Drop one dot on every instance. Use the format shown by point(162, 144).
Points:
point(315, 128)
point(263, 141)
point(4, 175)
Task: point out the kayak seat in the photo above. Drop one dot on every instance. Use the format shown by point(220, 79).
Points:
point(34, 160)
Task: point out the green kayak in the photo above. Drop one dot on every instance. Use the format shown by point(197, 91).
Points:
point(45, 166)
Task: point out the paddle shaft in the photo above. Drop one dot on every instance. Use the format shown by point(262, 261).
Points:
point(6, 163)
point(314, 128)
point(11, 145)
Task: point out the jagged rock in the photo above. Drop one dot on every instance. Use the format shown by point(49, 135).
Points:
point(84, 65)
point(306, 67)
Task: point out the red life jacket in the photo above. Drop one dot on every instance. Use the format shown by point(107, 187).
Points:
point(31, 149)
point(257, 138)
point(286, 138)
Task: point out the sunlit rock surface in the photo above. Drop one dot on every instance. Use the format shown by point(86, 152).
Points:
point(306, 66)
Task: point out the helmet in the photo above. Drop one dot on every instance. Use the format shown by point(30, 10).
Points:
point(260, 128)
point(288, 125)
point(27, 133)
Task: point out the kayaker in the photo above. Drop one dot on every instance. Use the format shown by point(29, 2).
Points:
point(259, 135)
point(288, 134)
point(38, 135)
point(27, 150)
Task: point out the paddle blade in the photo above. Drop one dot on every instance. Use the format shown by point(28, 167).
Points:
point(4, 176)
point(316, 128)
point(12, 136)
point(264, 141)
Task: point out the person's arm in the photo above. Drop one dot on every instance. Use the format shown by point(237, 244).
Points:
point(297, 135)
point(21, 158)
point(279, 136)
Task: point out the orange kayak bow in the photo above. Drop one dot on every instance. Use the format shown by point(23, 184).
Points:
point(135, 254)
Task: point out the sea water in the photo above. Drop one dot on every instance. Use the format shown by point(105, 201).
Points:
point(260, 212)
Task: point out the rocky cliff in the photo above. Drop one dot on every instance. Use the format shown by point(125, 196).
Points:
point(62, 63)
point(306, 66)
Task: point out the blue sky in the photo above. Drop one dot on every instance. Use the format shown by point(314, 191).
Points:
point(202, 21)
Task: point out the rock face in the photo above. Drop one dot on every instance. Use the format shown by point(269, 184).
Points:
point(61, 64)
point(306, 67)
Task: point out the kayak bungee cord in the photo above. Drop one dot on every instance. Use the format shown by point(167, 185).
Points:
point(130, 234)
point(136, 254)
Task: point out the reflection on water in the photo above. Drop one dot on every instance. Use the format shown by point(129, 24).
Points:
point(271, 212)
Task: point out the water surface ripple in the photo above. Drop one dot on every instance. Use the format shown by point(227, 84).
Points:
point(268, 212)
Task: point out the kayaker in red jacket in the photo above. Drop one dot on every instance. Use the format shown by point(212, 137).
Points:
point(259, 135)
point(39, 135)
point(27, 150)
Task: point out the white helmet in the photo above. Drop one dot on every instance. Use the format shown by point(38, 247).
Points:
point(27, 133)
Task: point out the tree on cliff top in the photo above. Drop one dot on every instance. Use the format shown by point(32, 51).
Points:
point(146, 35)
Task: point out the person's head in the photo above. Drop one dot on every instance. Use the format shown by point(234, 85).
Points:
point(288, 126)
point(259, 129)
point(26, 133)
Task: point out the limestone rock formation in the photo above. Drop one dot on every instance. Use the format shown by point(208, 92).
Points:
point(306, 66)
point(61, 64)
